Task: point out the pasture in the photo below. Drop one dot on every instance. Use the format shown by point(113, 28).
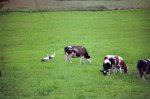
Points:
point(67, 5)
point(26, 37)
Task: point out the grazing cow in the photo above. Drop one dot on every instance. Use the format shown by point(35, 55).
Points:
point(76, 51)
point(114, 62)
point(48, 57)
point(143, 67)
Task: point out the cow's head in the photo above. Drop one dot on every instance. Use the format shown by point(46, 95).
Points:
point(125, 69)
point(106, 68)
point(89, 59)
point(105, 72)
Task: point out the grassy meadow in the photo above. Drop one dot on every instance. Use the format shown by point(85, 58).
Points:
point(25, 38)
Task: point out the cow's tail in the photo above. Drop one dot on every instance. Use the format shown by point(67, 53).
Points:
point(140, 67)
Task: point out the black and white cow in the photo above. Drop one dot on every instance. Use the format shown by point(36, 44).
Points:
point(143, 67)
point(76, 51)
point(114, 62)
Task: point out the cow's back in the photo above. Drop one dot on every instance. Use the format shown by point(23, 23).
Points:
point(79, 50)
point(73, 49)
point(141, 64)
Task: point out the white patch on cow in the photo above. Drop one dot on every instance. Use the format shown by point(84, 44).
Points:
point(110, 56)
point(69, 46)
point(75, 49)
point(145, 61)
point(120, 59)
point(107, 61)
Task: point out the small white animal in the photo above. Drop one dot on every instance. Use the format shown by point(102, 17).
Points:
point(48, 57)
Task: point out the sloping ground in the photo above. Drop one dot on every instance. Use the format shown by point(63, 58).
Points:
point(75, 5)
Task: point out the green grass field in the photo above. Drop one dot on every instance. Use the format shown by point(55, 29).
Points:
point(25, 38)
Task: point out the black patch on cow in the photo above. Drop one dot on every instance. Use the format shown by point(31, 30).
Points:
point(112, 60)
point(86, 55)
point(106, 67)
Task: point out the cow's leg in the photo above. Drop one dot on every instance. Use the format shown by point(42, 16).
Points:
point(68, 58)
point(81, 59)
point(109, 71)
point(120, 69)
point(142, 73)
point(143, 76)
point(114, 70)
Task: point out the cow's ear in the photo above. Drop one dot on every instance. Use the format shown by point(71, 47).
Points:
point(101, 70)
